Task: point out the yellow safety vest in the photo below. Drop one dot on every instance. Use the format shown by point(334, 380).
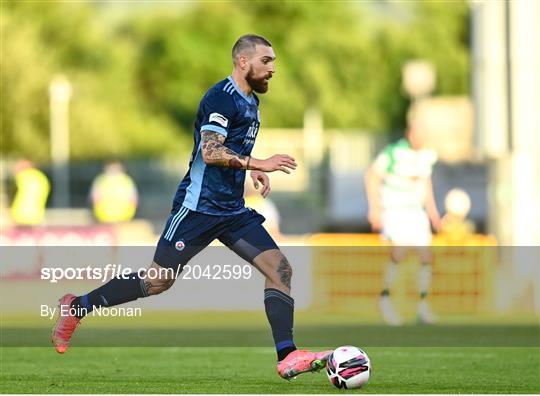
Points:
point(115, 198)
point(33, 188)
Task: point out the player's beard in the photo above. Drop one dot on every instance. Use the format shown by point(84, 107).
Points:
point(259, 85)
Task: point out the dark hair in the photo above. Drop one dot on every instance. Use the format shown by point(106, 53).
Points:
point(247, 43)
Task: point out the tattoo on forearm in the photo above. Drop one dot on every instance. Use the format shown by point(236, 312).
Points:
point(213, 148)
point(285, 272)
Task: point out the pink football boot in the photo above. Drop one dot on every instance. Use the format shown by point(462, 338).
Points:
point(302, 361)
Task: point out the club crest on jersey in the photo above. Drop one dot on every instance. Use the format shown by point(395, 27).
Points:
point(179, 245)
point(221, 120)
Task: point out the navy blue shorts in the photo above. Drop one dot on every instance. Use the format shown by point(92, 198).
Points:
point(187, 233)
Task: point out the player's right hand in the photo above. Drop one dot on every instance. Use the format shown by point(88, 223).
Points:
point(374, 218)
point(277, 162)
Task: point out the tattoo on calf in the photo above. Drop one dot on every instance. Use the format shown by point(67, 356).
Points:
point(285, 272)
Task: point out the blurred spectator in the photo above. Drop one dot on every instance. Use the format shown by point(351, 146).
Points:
point(402, 205)
point(454, 225)
point(33, 187)
point(114, 195)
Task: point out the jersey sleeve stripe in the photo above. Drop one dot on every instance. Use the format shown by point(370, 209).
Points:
point(214, 128)
point(193, 191)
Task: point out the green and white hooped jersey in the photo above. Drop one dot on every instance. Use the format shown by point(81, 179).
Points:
point(405, 174)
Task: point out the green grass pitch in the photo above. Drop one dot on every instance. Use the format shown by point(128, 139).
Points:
point(252, 370)
point(230, 352)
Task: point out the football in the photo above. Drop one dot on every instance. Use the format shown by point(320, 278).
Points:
point(348, 367)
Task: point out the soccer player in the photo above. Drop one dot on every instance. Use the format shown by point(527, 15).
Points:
point(401, 204)
point(209, 204)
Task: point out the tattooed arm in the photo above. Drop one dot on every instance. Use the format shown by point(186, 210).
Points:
point(215, 153)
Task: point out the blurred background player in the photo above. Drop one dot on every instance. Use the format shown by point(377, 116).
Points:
point(401, 205)
point(114, 194)
point(33, 187)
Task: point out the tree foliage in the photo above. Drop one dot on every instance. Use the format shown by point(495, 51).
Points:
point(107, 116)
point(137, 80)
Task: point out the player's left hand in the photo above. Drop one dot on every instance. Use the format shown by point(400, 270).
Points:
point(261, 177)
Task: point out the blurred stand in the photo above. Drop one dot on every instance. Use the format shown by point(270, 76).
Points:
point(506, 61)
point(506, 81)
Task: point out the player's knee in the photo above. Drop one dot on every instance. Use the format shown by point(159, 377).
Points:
point(158, 279)
point(398, 253)
point(275, 267)
point(284, 271)
point(157, 286)
point(425, 255)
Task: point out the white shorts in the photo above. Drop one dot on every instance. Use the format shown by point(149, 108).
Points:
point(406, 227)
